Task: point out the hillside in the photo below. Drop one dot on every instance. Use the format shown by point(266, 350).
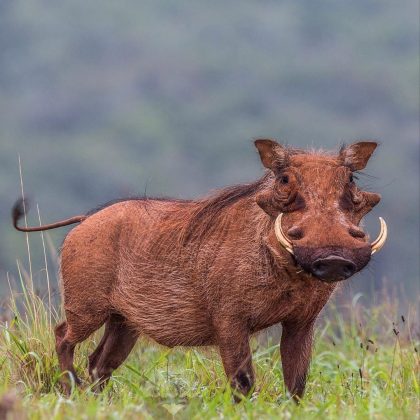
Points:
point(107, 99)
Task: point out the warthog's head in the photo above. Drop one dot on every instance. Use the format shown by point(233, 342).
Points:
point(318, 207)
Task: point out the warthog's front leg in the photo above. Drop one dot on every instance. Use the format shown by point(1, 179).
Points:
point(237, 359)
point(295, 350)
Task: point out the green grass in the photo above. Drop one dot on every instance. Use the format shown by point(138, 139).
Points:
point(365, 365)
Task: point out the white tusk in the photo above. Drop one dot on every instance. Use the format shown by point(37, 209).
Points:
point(378, 243)
point(280, 235)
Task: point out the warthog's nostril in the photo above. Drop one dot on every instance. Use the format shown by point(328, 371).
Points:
point(333, 268)
point(319, 266)
point(348, 269)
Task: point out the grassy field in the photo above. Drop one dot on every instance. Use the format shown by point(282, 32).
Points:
point(365, 365)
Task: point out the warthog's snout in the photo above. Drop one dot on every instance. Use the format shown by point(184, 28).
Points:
point(332, 263)
point(333, 267)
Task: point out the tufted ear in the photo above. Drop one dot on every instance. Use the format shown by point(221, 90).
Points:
point(273, 155)
point(356, 155)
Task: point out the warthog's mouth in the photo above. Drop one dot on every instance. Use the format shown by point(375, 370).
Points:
point(331, 264)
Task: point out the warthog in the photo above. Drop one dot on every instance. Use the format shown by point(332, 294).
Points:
point(214, 271)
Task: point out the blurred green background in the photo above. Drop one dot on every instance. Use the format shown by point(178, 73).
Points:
point(104, 99)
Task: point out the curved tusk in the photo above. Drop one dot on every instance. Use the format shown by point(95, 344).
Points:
point(379, 242)
point(281, 236)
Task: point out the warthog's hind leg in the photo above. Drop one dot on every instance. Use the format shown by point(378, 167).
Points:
point(67, 335)
point(115, 346)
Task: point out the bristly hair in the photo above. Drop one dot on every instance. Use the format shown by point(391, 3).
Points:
point(209, 209)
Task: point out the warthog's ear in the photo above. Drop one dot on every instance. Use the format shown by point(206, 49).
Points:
point(356, 155)
point(273, 155)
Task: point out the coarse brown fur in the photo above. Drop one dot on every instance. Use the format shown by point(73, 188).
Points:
point(211, 271)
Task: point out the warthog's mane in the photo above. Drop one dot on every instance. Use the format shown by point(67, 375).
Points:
point(208, 210)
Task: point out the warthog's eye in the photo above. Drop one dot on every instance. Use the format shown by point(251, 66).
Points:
point(284, 179)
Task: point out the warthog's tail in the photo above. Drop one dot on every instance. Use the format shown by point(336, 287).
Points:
point(18, 212)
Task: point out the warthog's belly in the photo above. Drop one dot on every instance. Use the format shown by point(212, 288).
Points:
point(167, 311)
